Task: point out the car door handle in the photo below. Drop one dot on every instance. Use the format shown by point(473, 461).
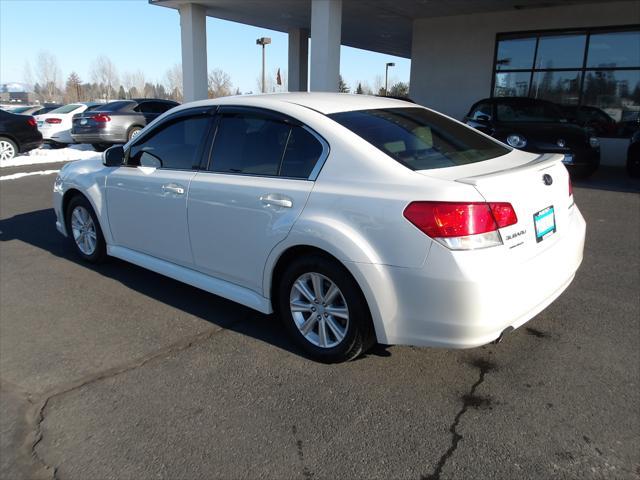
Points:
point(173, 188)
point(277, 200)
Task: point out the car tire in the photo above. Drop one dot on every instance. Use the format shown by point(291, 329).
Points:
point(83, 229)
point(133, 131)
point(633, 161)
point(99, 147)
point(340, 333)
point(8, 149)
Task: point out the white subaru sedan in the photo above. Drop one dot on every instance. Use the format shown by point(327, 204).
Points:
point(355, 219)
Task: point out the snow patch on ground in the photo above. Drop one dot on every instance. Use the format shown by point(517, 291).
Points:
point(15, 176)
point(51, 155)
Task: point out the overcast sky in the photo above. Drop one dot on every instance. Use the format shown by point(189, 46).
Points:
point(136, 35)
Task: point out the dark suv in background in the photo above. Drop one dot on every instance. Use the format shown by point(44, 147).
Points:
point(537, 126)
point(117, 122)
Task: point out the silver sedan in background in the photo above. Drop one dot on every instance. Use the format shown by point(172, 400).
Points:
point(117, 122)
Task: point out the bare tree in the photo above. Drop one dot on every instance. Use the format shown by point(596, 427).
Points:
point(128, 83)
point(104, 73)
point(174, 82)
point(27, 75)
point(47, 74)
point(219, 83)
point(140, 82)
point(73, 88)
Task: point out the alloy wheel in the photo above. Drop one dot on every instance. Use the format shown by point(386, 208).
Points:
point(84, 230)
point(7, 150)
point(319, 310)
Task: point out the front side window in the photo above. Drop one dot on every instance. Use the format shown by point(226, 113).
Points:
point(259, 145)
point(175, 147)
point(528, 112)
point(419, 138)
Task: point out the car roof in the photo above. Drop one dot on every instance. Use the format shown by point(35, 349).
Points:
point(323, 102)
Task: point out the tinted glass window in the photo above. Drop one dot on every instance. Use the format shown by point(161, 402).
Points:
point(482, 111)
point(512, 84)
point(613, 50)
point(116, 106)
point(528, 112)
point(558, 87)
point(175, 146)
point(420, 139)
point(249, 144)
point(561, 51)
point(66, 109)
point(301, 155)
point(153, 107)
point(515, 53)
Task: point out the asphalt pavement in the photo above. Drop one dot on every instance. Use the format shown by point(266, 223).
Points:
point(114, 372)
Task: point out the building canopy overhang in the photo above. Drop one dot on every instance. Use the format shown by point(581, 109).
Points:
point(383, 26)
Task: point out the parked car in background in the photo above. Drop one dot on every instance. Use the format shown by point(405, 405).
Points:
point(537, 126)
point(355, 218)
point(594, 119)
point(34, 109)
point(633, 156)
point(18, 134)
point(55, 126)
point(117, 122)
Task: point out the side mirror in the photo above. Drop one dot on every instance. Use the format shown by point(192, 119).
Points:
point(113, 156)
point(483, 118)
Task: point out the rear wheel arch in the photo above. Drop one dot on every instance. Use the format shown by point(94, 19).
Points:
point(12, 139)
point(297, 251)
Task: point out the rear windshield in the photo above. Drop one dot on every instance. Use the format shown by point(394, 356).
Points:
point(527, 112)
point(419, 138)
point(116, 106)
point(66, 108)
point(20, 109)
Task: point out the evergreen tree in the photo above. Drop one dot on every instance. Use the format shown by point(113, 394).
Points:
point(342, 87)
point(359, 90)
point(121, 93)
point(73, 88)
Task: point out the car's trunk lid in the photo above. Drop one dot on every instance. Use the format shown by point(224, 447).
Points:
point(537, 186)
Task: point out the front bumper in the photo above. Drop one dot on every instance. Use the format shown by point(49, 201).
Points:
point(466, 299)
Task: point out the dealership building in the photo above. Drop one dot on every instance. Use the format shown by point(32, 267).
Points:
point(572, 52)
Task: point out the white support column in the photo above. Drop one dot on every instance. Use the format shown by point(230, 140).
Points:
point(193, 31)
point(298, 59)
point(326, 30)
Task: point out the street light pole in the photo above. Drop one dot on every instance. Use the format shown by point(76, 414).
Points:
point(386, 77)
point(264, 41)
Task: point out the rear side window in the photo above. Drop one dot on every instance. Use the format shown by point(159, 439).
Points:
point(153, 107)
point(420, 139)
point(176, 146)
point(116, 106)
point(258, 145)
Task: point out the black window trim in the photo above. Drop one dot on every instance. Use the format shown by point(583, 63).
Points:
point(537, 34)
point(271, 115)
point(208, 111)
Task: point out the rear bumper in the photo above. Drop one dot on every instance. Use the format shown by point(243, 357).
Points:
point(98, 138)
point(30, 145)
point(467, 299)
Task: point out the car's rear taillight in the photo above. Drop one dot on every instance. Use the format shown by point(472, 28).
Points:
point(101, 118)
point(53, 120)
point(31, 121)
point(462, 225)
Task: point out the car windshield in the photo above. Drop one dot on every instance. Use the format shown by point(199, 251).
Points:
point(419, 138)
point(66, 108)
point(527, 112)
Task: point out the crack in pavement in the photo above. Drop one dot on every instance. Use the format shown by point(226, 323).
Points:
point(468, 400)
point(36, 418)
